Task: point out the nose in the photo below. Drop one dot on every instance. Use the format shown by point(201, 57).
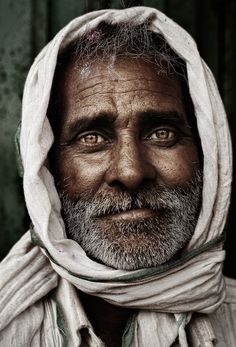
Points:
point(129, 167)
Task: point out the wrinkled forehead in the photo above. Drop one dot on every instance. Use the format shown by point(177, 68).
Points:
point(132, 86)
point(120, 75)
point(75, 79)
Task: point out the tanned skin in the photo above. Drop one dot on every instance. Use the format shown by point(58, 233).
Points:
point(120, 126)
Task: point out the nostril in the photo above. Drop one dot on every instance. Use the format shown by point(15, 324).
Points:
point(117, 184)
point(129, 185)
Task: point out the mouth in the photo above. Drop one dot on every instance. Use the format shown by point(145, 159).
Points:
point(132, 215)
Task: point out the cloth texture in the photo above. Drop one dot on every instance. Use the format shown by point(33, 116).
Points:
point(166, 296)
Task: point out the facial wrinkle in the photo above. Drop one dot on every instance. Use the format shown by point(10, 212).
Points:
point(133, 245)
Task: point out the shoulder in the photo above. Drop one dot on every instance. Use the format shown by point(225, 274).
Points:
point(26, 277)
point(36, 326)
point(24, 329)
point(224, 319)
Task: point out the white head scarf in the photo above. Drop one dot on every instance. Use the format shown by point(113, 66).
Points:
point(165, 295)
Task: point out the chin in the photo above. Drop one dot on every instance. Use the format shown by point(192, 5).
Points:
point(133, 245)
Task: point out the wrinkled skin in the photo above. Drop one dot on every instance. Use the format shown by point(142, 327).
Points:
point(126, 152)
point(120, 127)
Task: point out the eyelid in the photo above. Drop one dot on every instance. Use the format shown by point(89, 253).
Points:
point(167, 127)
point(101, 145)
point(97, 132)
point(86, 133)
point(99, 139)
point(163, 143)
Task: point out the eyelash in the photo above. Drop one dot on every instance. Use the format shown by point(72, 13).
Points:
point(91, 133)
point(165, 142)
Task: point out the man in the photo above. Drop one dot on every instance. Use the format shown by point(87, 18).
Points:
point(131, 254)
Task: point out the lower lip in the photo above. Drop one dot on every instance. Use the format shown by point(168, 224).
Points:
point(136, 214)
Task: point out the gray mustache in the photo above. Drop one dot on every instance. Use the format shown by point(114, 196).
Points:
point(155, 201)
point(154, 198)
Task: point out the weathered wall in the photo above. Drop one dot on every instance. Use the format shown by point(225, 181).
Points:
point(25, 27)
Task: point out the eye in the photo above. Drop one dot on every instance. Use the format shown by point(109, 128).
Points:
point(91, 139)
point(165, 137)
point(162, 135)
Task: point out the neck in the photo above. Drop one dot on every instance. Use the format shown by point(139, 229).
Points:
point(108, 321)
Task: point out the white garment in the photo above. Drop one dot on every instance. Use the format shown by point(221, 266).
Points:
point(35, 323)
point(169, 293)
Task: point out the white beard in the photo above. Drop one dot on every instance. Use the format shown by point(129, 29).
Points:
point(132, 245)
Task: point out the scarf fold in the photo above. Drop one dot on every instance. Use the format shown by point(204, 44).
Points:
point(58, 317)
point(163, 295)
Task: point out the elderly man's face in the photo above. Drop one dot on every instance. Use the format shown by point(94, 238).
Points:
point(127, 162)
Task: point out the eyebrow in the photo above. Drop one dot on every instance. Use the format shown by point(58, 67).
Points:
point(152, 117)
point(98, 120)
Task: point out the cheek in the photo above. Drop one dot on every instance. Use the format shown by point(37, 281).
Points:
point(177, 166)
point(81, 174)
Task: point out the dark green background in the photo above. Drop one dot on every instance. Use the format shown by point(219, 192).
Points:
point(27, 25)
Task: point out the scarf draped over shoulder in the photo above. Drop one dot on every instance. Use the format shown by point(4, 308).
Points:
point(165, 296)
